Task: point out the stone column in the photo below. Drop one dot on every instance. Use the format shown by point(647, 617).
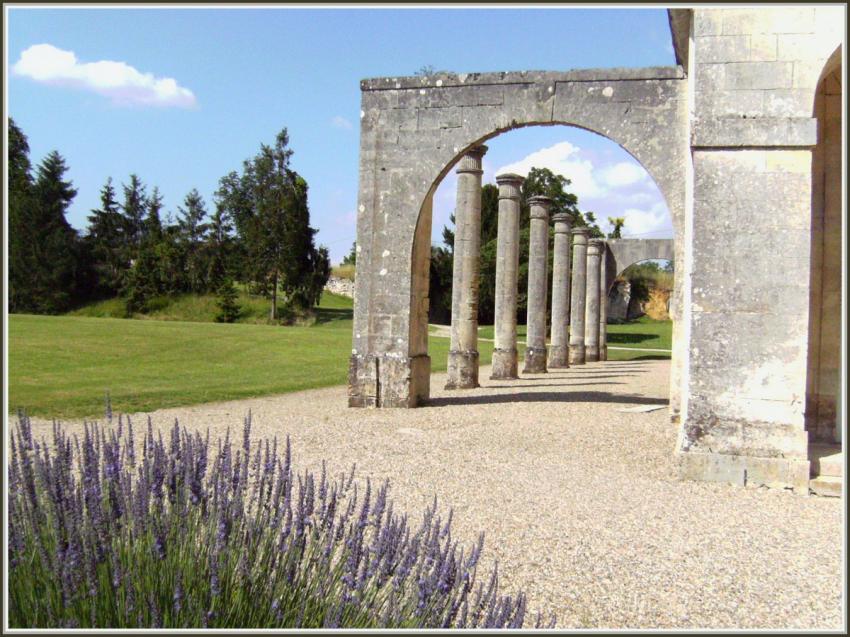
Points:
point(577, 297)
point(463, 351)
point(538, 261)
point(507, 267)
point(591, 316)
point(559, 350)
point(603, 303)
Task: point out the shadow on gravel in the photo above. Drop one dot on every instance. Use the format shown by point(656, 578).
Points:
point(546, 397)
point(531, 385)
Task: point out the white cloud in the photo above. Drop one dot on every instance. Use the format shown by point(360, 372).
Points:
point(622, 174)
point(562, 158)
point(339, 121)
point(120, 82)
point(640, 222)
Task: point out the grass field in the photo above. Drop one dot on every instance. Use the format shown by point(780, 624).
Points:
point(63, 366)
point(643, 333)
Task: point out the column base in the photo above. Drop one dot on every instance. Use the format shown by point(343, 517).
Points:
point(603, 353)
point(559, 356)
point(388, 380)
point(504, 365)
point(591, 353)
point(779, 473)
point(535, 360)
point(462, 370)
point(576, 354)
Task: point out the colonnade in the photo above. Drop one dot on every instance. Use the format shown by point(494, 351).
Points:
point(579, 292)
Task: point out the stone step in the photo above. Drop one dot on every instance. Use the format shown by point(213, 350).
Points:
point(827, 485)
point(826, 460)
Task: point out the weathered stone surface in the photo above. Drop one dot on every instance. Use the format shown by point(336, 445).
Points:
point(578, 298)
point(603, 303)
point(507, 269)
point(463, 352)
point(560, 323)
point(538, 262)
point(730, 132)
point(591, 316)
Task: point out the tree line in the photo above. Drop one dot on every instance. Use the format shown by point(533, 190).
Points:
point(258, 234)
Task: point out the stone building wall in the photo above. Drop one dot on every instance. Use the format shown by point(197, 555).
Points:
point(754, 76)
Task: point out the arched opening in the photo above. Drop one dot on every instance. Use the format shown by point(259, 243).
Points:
point(823, 388)
point(642, 288)
point(617, 185)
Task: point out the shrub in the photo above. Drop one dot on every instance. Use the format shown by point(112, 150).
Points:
point(183, 533)
point(228, 304)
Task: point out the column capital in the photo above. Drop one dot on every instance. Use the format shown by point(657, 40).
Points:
point(509, 185)
point(540, 207)
point(594, 247)
point(580, 235)
point(562, 221)
point(470, 162)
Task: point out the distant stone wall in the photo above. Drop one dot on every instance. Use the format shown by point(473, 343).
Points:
point(343, 287)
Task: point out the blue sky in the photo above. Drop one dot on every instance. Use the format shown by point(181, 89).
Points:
point(238, 75)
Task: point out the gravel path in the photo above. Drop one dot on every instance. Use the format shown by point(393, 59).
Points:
point(577, 498)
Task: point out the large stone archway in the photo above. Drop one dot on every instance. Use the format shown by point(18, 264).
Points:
point(413, 130)
point(727, 135)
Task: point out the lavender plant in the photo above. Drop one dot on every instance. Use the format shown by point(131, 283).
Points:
point(183, 533)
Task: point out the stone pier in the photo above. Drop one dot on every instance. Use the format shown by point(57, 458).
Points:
point(591, 308)
point(462, 365)
point(603, 303)
point(577, 297)
point(507, 267)
point(538, 257)
point(559, 349)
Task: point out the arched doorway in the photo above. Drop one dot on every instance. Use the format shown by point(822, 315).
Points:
point(414, 130)
point(605, 179)
point(823, 387)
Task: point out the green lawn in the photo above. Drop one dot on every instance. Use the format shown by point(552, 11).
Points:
point(63, 366)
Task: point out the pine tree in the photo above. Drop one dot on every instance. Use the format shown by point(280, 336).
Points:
point(218, 247)
point(133, 211)
point(229, 309)
point(106, 242)
point(152, 226)
point(192, 231)
point(142, 284)
point(52, 253)
point(21, 229)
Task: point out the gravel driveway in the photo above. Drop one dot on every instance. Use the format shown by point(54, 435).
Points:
point(577, 498)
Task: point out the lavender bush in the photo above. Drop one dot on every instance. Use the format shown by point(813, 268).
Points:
point(181, 533)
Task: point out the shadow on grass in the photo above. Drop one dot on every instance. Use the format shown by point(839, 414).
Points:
point(546, 397)
point(631, 338)
point(328, 315)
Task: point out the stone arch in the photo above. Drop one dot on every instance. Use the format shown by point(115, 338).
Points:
point(622, 253)
point(823, 383)
point(413, 130)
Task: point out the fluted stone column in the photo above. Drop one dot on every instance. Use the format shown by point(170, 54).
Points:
point(538, 262)
point(559, 345)
point(507, 267)
point(591, 316)
point(463, 352)
point(603, 304)
point(577, 297)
